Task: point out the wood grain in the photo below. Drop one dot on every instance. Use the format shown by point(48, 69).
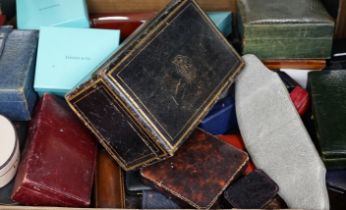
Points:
point(317, 65)
point(116, 6)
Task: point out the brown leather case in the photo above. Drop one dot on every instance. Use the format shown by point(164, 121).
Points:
point(109, 183)
point(200, 171)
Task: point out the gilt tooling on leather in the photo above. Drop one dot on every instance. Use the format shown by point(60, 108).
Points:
point(276, 138)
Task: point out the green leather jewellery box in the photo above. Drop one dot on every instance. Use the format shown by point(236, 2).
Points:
point(296, 29)
point(328, 96)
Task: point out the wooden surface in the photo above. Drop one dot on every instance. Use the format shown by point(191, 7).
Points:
point(295, 64)
point(340, 25)
point(114, 6)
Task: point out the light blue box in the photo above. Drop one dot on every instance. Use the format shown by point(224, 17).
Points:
point(223, 21)
point(67, 55)
point(32, 14)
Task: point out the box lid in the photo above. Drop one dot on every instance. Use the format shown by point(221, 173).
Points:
point(283, 12)
point(67, 55)
point(32, 14)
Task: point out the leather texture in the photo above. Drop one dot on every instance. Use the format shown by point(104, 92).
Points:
point(155, 200)
point(300, 99)
point(237, 141)
point(222, 118)
point(17, 66)
point(253, 191)
point(134, 183)
point(182, 83)
point(271, 29)
point(276, 203)
point(276, 138)
point(127, 23)
point(298, 95)
point(133, 201)
point(58, 166)
point(2, 19)
point(109, 183)
point(328, 97)
point(337, 179)
point(199, 172)
point(336, 182)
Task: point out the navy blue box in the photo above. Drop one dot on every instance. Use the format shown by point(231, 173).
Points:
point(17, 64)
point(336, 183)
point(222, 117)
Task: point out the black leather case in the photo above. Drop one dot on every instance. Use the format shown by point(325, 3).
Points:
point(145, 101)
point(134, 183)
point(253, 191)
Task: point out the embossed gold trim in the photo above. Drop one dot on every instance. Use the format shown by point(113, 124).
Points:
point(102, 140)
point(197, 116)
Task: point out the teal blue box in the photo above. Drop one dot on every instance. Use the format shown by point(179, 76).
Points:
point(68, 55)
point(32, 14)
point(223, 21)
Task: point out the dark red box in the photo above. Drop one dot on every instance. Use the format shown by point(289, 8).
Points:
point(58, 165)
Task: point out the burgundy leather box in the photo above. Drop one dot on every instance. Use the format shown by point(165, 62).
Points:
point(2, 19)
point(299, 96)
point(127, 23)
point(59, 161)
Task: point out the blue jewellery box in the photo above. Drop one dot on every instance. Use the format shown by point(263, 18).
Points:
point(222, 117)
point(17, 64)
point(223, 21)
point(68, 55)
point(32, 14)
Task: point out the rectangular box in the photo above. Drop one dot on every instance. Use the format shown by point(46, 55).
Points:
point(17, 65)
point(127, 23)
point(135, 6)
point(77, 52)
point(58, 166)
point(199, 172)
point(109, 184)
point(32, 14)
point(158, 86)
point(328, 96)
point(300, 29)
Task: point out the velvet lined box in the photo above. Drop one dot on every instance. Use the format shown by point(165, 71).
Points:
point(58, 165)
point(32, 14)
point(182, 82)
point(17, 66)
